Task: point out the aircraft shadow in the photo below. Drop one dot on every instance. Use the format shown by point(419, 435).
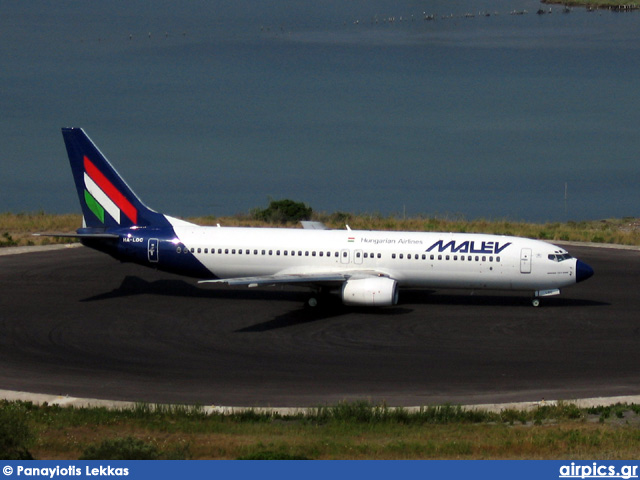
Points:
point(331, 305)
point(443, 297)
point(133, 285)
point(332, 308)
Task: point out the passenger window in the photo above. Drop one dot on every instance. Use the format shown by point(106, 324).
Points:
point(270, 252)
point(277, 252)
point(286, 253)
point(484, 259)
point(379, 255)
point(255, 252)
point(344, 254)
point(192, 250)
point(498, 259)
point(239, 252)
point(393, 255)
point(439, 257)
point(322, 254)
point(178, 250)
point(447, 257)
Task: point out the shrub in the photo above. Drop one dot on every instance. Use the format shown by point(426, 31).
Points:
point(15, 433)
point(7, 240)
point(283, 211)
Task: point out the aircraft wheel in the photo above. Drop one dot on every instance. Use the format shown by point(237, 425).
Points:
point(535, 302)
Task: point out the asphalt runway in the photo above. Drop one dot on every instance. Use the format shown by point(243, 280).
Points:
point(79, 323)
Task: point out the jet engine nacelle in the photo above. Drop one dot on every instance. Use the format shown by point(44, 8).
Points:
point(370, 292)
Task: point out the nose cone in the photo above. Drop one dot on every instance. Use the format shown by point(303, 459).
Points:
point(583, 271)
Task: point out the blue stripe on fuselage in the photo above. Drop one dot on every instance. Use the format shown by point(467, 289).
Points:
point(167, 252)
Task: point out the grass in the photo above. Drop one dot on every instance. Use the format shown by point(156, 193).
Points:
point(17, 229)
point(345, 431)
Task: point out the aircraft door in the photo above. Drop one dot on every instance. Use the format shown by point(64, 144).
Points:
point(525, 260)
point(357, 258)
point(345, 256)
point(152, 250)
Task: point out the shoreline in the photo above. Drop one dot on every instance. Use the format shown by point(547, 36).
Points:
point(597, 4)
point(16, 230)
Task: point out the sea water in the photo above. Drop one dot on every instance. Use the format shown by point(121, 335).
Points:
point(449, 108)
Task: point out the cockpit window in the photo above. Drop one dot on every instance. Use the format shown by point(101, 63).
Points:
point(559, 257)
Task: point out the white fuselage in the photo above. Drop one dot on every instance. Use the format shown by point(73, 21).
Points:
point(413, 259)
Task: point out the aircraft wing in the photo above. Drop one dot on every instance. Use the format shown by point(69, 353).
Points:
point(293, 278)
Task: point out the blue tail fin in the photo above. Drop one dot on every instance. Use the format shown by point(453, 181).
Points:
point(106, 199)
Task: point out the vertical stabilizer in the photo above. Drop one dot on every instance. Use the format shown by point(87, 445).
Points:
point(106, 199)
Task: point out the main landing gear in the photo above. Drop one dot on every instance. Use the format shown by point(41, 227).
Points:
point(319, 298)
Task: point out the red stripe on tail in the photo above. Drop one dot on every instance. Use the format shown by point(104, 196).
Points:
point(112, 192)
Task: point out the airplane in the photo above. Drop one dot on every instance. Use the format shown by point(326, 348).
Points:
point(366, 268)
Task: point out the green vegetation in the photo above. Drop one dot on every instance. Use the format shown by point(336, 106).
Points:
point(17, 229)
point(16, 436)
point(127, 448)
point(283, 212)
point(346, 431)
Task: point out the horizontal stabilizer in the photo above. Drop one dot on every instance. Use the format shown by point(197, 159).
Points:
point(77, 235)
